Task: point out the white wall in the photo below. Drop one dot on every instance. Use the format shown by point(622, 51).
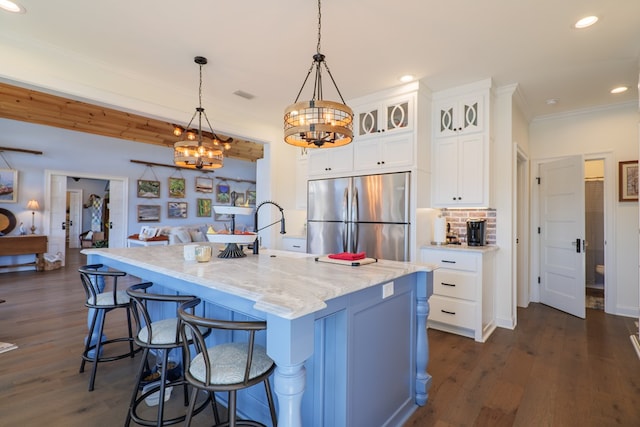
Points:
point(96, 155)
point(613, 129)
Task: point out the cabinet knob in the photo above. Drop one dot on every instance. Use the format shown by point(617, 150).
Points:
point(378, 163)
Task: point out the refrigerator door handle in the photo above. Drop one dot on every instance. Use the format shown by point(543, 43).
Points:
point(345, 219)
point(355, 214)
point(355, 236)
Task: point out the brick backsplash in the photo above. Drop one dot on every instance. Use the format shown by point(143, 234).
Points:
point(458, 220)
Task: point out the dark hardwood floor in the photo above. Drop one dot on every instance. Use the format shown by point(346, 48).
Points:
point(552, 370)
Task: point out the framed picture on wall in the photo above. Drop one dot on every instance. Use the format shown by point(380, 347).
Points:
point(148, 213)
point(176, 188)
point(148, 189)
point(177, 210)
point(251, 197)
point(8, 185)
point(204, 184)
point(204, 207)
point(628, 181)
point(223, 194)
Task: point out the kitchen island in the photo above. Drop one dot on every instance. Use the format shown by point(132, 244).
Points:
point(350, 343)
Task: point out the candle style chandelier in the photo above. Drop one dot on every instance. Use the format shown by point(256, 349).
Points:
point(318, 123)
point(198, 149)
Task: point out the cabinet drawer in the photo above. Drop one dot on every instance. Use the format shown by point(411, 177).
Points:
point(455, 284)
point(294, 244)
point(455, 260)
point(452, 312)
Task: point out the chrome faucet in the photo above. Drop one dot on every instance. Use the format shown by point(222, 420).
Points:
point(256, 244)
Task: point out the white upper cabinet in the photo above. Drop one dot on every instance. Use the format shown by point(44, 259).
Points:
point(330, 161)
point(392, 115)
point(460, 175)
point(461, 147)
point(459, 116)
point(383, 153)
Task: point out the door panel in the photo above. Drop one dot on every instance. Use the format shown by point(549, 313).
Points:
point(326, 237)
point(383, 241)
point(561, 236)
point(58, 219)
point(117, 208)
point(75, 217)
point(328, 199)
point(381, 198)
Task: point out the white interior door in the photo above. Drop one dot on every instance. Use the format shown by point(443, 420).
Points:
point(75, 217)
point(562, 281)
point(58, 215)
point(117, 221)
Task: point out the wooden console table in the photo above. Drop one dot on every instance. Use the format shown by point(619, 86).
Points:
point(24, 245)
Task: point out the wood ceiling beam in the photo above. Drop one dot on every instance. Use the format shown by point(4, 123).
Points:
point(32, 106)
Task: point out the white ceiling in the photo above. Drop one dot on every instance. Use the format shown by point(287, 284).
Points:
point(138, 55)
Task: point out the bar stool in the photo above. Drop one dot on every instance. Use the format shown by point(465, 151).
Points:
point(225, 367)
point(100, 302)
point(161, 336)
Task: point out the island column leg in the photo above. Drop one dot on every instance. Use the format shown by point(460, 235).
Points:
point(423, 379)
point(289, 385)
point(290, 343)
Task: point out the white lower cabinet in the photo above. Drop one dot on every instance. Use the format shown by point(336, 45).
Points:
point(294, 244)
point(463, 300)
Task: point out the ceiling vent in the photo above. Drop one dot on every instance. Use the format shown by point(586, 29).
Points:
point(244, 95)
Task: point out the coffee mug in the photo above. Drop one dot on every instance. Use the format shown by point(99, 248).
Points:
point(203, 253)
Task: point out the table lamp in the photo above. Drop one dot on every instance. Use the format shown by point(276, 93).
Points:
point(34, 206)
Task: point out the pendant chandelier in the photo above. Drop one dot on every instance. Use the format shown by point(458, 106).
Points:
point(318, 123)
point(198, 149)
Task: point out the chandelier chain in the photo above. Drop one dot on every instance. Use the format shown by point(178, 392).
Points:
point(319, 25)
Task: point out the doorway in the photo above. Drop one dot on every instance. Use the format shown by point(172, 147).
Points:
point(595, 277)
point(55, 218)
point(609, 199)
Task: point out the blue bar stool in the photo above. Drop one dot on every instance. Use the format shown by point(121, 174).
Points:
point(161, 336)
point(102, 298)
point(226, 367)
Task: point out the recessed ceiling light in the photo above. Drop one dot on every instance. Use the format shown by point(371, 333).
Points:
point(587, 21)
point(407, 78)
point(619, 89)
point(11, 6)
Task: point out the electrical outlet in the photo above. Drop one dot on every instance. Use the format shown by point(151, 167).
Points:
point(387, 290)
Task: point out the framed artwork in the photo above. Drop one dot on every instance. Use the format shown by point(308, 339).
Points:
point(204, 185)
point(148, 189)
point(148, 213)
point(176, 188)
point(8, 185)
point(628, 181)
point(223, 194)
point(204, 207)
point(177, 210)
point(148, 232)
point(251, 197)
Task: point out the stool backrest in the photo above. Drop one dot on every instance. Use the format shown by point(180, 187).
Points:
point(193, 326)
point(94, 283)
point(140, 298)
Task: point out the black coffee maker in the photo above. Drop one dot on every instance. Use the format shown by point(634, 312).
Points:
point(476, 229)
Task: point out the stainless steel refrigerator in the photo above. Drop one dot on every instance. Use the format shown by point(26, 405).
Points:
point(360, 214)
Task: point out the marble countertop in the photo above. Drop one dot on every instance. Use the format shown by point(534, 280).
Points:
point(286, 284)
point(463, 247)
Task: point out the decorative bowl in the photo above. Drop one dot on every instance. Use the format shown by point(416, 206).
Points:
point(242, 239)
point(232, 210)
